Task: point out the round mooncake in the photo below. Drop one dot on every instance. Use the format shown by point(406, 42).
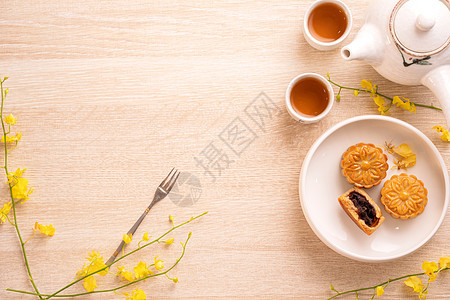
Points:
point(364, 165)
point(404, 196)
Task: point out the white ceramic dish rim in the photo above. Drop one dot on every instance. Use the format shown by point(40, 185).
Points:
point(316, 145)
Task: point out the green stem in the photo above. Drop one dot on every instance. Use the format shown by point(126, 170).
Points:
point(9, 220)
point(378, 93)
point(122, 257)
point(116, 288)
point(427, 106)
point(16, 225)
point(381, 284)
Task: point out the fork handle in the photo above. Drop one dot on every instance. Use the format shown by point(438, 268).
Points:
point(131, 231)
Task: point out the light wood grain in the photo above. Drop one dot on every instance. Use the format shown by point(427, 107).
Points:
point(111, 94)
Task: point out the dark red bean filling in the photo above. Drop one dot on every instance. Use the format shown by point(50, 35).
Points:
point(365, 210)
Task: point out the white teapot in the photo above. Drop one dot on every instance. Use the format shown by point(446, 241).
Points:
point(407, 42)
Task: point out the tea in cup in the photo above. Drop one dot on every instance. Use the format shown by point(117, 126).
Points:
point(326, 24)
point(309, 98)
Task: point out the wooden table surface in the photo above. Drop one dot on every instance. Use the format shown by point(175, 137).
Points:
point(110, 95)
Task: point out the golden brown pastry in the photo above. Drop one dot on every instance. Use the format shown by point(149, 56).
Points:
point(404, 196)
point(361, 209)
point(364, 165)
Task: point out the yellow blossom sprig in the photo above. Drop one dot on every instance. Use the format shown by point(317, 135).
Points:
point(137, 294)
point(412, 280)
point(20, 190)
point(4, 213)
point(168, 242)
point(145, 238)
point(124, 275)
point(369, 88)
point(19, 193)
point(11, 120)
point(404, 158)
point(445, 133)
point(57, 293)
point(47, 230)
point(127, 238)
point(174, 279)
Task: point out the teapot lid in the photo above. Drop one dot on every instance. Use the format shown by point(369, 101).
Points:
point(421, 27)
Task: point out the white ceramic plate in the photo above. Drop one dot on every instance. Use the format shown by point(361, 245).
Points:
point(321, 183)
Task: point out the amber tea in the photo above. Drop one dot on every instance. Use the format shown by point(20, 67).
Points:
point(309, 97)
point(327, 22)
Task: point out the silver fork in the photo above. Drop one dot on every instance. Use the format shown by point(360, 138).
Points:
point(161, 192)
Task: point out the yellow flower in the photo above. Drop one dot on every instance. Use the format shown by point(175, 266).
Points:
point(430, 268)
point(12, 177)
point(127, 238)
point(20, 190)
point(4, 211)
point(416, 283)
point(158, 264)
point(169, 241)
point(136, 295)
point(146, 237)
point(12, 139)
point(406, 104)
point(125, 275)
point(355, 93)
point(380, 291)
point(45, 229)
point(171, 219)
point(406, 157)
point(141, 270)
point(175, 279)
point(403, 150)
point(96, 263)
point(90, 283)
point(367, 85)
point(445, 133)
point(444, 262)
point(379, 101)
point(11, 120)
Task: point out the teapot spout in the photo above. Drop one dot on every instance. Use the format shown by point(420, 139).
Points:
point(438, 81)
point(367, 46)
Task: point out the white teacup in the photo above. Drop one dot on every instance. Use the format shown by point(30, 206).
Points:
point(307, 118)
point(320, 45)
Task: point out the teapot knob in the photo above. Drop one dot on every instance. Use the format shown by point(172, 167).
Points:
point(425, 21)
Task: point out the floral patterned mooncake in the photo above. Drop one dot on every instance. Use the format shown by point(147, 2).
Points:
point(364, 165)
point(404, 196)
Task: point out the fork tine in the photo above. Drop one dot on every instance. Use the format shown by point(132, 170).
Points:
point(168, 176)
point(172, 182)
